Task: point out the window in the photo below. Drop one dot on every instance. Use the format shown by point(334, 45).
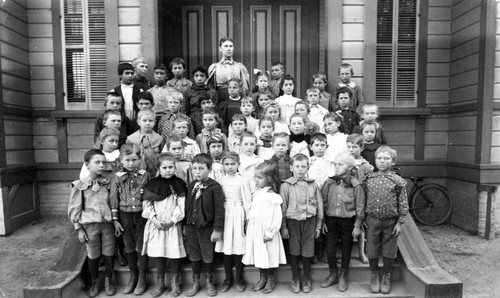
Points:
point(85, 53)
point(396, 53)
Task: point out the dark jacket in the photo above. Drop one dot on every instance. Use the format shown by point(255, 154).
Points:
point(210, 206)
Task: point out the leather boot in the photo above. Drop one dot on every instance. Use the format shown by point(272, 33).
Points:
point(175, 284)
point(132, 282)
point(330, 280)
point(94, 288)
point(141, 283)
point(160, 286)
point(109, 285)
point(343, 280)
point(262, 282)
point(375, 281)
point(211, 290)
point(195, 287)
point(270, 282)
point(385, 286)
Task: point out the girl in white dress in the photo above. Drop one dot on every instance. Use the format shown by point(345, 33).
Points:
point(248, 159)
point(215, 146)
point(164, 200)
point(287, 99)
point(265, 142)
point(238, 199)
point(264, 246)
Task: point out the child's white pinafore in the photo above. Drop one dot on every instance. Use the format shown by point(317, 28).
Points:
point(264, 218)
point(164, 243)
point(238, 199)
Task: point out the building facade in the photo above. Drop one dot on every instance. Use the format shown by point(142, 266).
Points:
point(433, 68)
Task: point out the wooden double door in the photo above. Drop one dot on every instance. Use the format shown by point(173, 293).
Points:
point(263, 31)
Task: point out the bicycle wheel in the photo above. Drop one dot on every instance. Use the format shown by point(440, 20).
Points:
point(431, 204)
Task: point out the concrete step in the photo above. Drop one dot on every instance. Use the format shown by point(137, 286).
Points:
point(358, 272)
point(356, 289)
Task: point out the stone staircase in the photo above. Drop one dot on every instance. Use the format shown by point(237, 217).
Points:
point(359, 282)
point(416, 274)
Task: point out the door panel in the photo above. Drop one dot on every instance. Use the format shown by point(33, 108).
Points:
point(263, 32)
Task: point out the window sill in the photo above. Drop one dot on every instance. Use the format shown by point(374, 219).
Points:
point(75, 114)
point(404, 111)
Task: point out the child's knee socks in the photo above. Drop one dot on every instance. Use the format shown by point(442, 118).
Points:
point(373, 264)
point(388, 265)
point(294, 263)
point(228, 266)
point(238, 265)
point(93, 268)
point(108, 265)
point(306, 263)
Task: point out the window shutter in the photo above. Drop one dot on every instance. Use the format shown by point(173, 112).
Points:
point(97, 50)
point(405, 81)
point(396, 53)
point(85, 42)
point(384, 67)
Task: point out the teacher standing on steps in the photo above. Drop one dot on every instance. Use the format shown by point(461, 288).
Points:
point(221, 72)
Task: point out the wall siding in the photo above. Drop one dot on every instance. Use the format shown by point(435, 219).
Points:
point(495, 134)
point(438, 53)
point(129, 30)
point(15, 85)
point(353, 35)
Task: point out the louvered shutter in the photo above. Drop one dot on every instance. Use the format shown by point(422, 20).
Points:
point(396, 53)
point(97, 51)
point(85, 43)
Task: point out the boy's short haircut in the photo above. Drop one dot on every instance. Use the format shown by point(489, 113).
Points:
point(179, 119)
point(112, 94)
point(346, 65)
point(356, 139)
point(203, 158)
point(369, 105)
point(266, 118)
point(160, 66)
point(346, 157)
point(91, 153)
point(176, 95)
point(386, 149)
point(124, 66)
point(299, 157)
point(210, 111)
point(138, 60)
point(247, 100)
point(281, 135)
point(147, 96)
point(367, 123)
point(230, 155)
point(107, 113)
point(129, 149)
point(165, 156)
point(312, 89)
point(296, 115)
point(344, 90)
point(239, 117)
point(236, 80)
point(305, 103)
point(320, 137)
point(146, 112)
point(216, 138)
point(107, 132)
point(320, 75)
point(278, 63)
point(177, 60)
point(201, 69)
point(248, 134)
point(174, 138)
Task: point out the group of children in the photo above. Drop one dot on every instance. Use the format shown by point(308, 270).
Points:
point(193, 174)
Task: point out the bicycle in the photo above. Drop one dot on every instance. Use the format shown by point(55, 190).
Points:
point(430, 203)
